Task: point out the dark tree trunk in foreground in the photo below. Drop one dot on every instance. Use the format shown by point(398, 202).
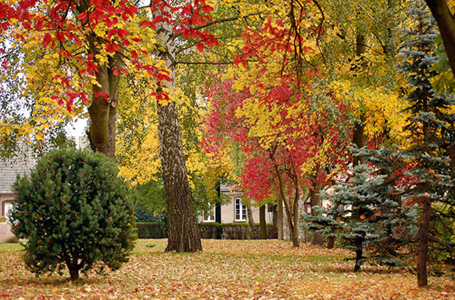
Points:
point(446, 25)
point(182, 228)
point(424, 232)
point(183, 232)
point(358, 254)
point(262, 223)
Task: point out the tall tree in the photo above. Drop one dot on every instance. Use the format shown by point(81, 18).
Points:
point(431, 129)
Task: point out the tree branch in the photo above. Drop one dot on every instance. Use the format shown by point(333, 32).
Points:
point(214, 23)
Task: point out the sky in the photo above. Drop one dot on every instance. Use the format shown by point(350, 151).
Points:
point(78, 129)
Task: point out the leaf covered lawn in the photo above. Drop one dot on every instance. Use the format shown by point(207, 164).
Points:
point(224, 270)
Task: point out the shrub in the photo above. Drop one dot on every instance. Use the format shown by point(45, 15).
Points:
point(231, 231)
point(151, 230)
point(74, 210)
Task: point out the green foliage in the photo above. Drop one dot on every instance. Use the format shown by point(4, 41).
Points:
point(432, 132)
point(151, 230)
point(74, 210)
point(150, 201)
point(443, 224)
point(367, 211)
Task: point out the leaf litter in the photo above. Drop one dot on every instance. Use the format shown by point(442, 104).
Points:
point(268, 269)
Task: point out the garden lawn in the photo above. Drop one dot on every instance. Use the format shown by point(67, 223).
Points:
point(224, 270)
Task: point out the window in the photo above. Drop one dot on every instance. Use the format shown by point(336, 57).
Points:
point(270, 211)
point(209, 215)
point(240, 210)
point(7, 206)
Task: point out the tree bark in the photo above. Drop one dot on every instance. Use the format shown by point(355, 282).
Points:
point(183, 231)
point(358, 253)
point(424, 232)
point(446, 24)
point(254, 232)
point(262, 223)
point(315, 200)
point(182, 228)
point(279, 218)
point(102, 110)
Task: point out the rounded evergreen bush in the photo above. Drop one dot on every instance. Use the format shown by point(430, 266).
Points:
point(74, 210)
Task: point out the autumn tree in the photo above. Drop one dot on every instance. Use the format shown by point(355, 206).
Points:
point(430, 129)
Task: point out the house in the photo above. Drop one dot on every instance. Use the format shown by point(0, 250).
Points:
point(9, 169)
point(234, 211)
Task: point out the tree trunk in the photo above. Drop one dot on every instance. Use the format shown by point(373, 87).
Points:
point(183, 231)
point(279, 221)
point(262, 223)
point(358, 254)
point(315, 200)
point(182, 228)
point(254, 232)
point(331, 242)
point(424, 231)
point(102, 110)
point(359, 136)
point(446, 24)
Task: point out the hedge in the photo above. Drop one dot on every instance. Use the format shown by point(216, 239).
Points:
point(231, 231)
point(151, 230)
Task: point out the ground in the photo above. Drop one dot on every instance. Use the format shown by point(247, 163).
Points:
point(224, 270)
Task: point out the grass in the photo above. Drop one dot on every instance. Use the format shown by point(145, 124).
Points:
point(224, 270)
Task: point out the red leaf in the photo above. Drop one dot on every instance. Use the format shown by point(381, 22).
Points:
point(200, 46)
point(207, 9)
point(116, 72)
point(82, 16)
point(145, 24)
point(134, 54)
point(47, 39)
point(157, 19)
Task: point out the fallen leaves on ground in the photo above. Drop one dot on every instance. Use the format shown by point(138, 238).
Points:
point(224, 270)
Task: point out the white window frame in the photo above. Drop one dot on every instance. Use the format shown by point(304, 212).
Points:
point(240, 210)
point(209, 215)
point(7, 206)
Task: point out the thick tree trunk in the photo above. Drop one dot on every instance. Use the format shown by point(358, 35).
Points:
point(102, 110)
point(262, 223)
point(424, 232)
point(315, 200)
point(183, 231)
point(182, 228)
point(446, 24)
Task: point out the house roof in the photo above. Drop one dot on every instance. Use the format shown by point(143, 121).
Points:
point(9, 170)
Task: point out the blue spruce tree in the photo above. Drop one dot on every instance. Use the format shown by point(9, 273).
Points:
point(431, 132)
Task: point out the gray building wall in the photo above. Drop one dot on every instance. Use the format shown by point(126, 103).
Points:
point(8, 173)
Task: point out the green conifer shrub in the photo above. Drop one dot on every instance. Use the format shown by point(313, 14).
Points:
point(74, 211)
point(366, 212)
